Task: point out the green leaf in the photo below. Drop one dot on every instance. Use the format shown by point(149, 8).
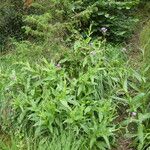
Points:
point(125, 86)
point(92, 141)
point(107, 141)
point(87, 109)
point(65, 103)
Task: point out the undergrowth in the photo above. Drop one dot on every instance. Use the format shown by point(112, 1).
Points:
point(79, 92)
point(62, 90)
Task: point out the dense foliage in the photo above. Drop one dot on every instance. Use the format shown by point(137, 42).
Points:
point(66, 85)
point(117, 17)
point(10, 21)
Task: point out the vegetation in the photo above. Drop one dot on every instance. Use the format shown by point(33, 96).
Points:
point(145, 42)
point(10, 21)
point(66, 82)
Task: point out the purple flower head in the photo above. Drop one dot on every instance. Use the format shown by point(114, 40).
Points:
point(58, 66)
point(103, 30)
point(133, 114)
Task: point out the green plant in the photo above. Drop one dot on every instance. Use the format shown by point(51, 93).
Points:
point(63, 89)
point(116, 17)
point(145, 45)
point(138, 120)
point(74, 92)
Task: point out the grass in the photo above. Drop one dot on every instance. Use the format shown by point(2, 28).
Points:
point(66, 140)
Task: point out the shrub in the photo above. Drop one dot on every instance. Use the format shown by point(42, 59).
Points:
point(117, 17)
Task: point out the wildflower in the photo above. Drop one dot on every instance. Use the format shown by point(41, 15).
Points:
point(103, 30)
point(133, 114)
point(58, 66)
